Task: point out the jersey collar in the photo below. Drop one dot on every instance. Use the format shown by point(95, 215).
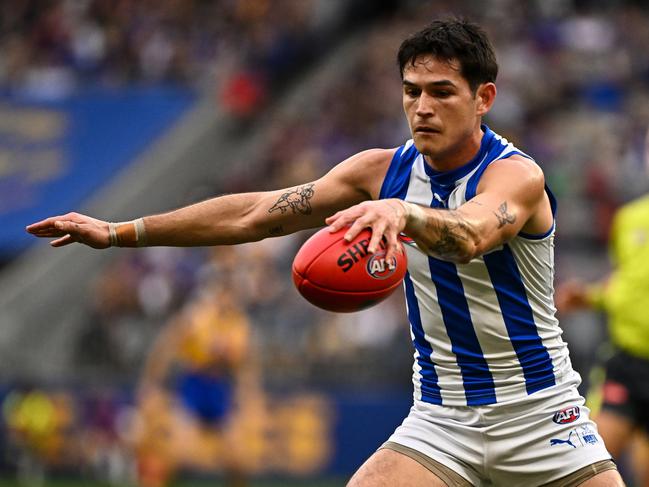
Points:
point(449, 178)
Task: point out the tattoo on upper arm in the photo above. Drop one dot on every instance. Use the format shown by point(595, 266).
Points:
point(296, 199)
point(503, 216)
point(278, 230)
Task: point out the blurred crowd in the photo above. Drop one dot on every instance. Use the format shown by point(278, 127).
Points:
point(572, 92)
point(50, 48)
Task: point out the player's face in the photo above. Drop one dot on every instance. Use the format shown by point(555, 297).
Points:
point(443, 112)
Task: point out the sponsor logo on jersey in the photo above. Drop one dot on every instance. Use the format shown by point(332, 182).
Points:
point(439, 201)
point(566, 415)
point(379, 268)
point(578, 437)
point(567, 441)
point(587, 434)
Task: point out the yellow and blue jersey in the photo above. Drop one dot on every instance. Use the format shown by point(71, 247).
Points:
point(213, 345)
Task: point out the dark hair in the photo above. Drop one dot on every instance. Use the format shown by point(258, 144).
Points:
point(449, 39)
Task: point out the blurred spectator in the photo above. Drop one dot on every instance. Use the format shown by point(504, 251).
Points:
point(103, 435)
point(49, 48)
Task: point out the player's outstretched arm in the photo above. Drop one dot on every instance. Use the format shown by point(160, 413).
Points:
point(510, 198)
point(234, 218)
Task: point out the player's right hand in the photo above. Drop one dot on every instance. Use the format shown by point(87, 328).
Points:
point(385, 218)
point(72, 227)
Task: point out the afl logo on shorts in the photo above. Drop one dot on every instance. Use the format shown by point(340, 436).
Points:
point(566, 415)
point(379, 268)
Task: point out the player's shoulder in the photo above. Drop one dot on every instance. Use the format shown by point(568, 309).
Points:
point(368, 163)
point(515, 169)
point(519, 163)
point(364, 171)
point(375, 157)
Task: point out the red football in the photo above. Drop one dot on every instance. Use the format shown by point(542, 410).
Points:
point(343, 276)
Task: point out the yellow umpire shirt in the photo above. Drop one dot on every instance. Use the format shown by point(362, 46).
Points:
point(625, 297)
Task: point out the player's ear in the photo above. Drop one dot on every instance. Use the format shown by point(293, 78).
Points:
point(485, 97)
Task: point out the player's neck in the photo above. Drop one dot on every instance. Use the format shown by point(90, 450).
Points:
point(458, 155)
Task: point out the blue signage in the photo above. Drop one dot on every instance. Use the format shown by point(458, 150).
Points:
point(55, 155)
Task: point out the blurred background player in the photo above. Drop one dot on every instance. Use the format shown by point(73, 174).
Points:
point(623, 418)
point(194, 389)
point(39, 424)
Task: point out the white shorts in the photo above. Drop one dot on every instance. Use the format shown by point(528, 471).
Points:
point(530, 442)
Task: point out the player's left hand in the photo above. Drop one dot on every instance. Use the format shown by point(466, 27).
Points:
point(385, 218)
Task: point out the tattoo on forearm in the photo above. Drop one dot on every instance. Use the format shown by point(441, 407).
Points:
point(503, 216)
point(451, 235)
point(278, 230)
point(296, 199)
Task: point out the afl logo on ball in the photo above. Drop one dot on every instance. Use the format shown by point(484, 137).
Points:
point(566, 415)
point(379, 268)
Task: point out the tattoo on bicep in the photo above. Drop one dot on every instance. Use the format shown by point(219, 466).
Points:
point(503, 216)
point(296, 199)
point(278, 230)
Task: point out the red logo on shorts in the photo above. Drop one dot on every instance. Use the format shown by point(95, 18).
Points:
point(566, 415)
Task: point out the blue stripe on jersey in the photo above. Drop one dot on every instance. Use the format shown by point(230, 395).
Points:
point(447, 179)
point(516, 152)
point(553, 201)
point(519, 319)
point(472, 183)
point(540, 236)
point(478, 381)
point(395, 184)
point(495, 147)
point(553, 207)
point(429, 386)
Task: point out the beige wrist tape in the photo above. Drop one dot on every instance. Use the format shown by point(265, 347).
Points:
point(127, 234)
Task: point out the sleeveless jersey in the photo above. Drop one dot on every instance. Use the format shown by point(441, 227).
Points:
point(484, 332)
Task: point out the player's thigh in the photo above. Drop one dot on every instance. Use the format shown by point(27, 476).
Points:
point(615, 429)
point(610, 478)
point(388, 468)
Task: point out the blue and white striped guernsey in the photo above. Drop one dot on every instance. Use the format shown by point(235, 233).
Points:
point(484, 332)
